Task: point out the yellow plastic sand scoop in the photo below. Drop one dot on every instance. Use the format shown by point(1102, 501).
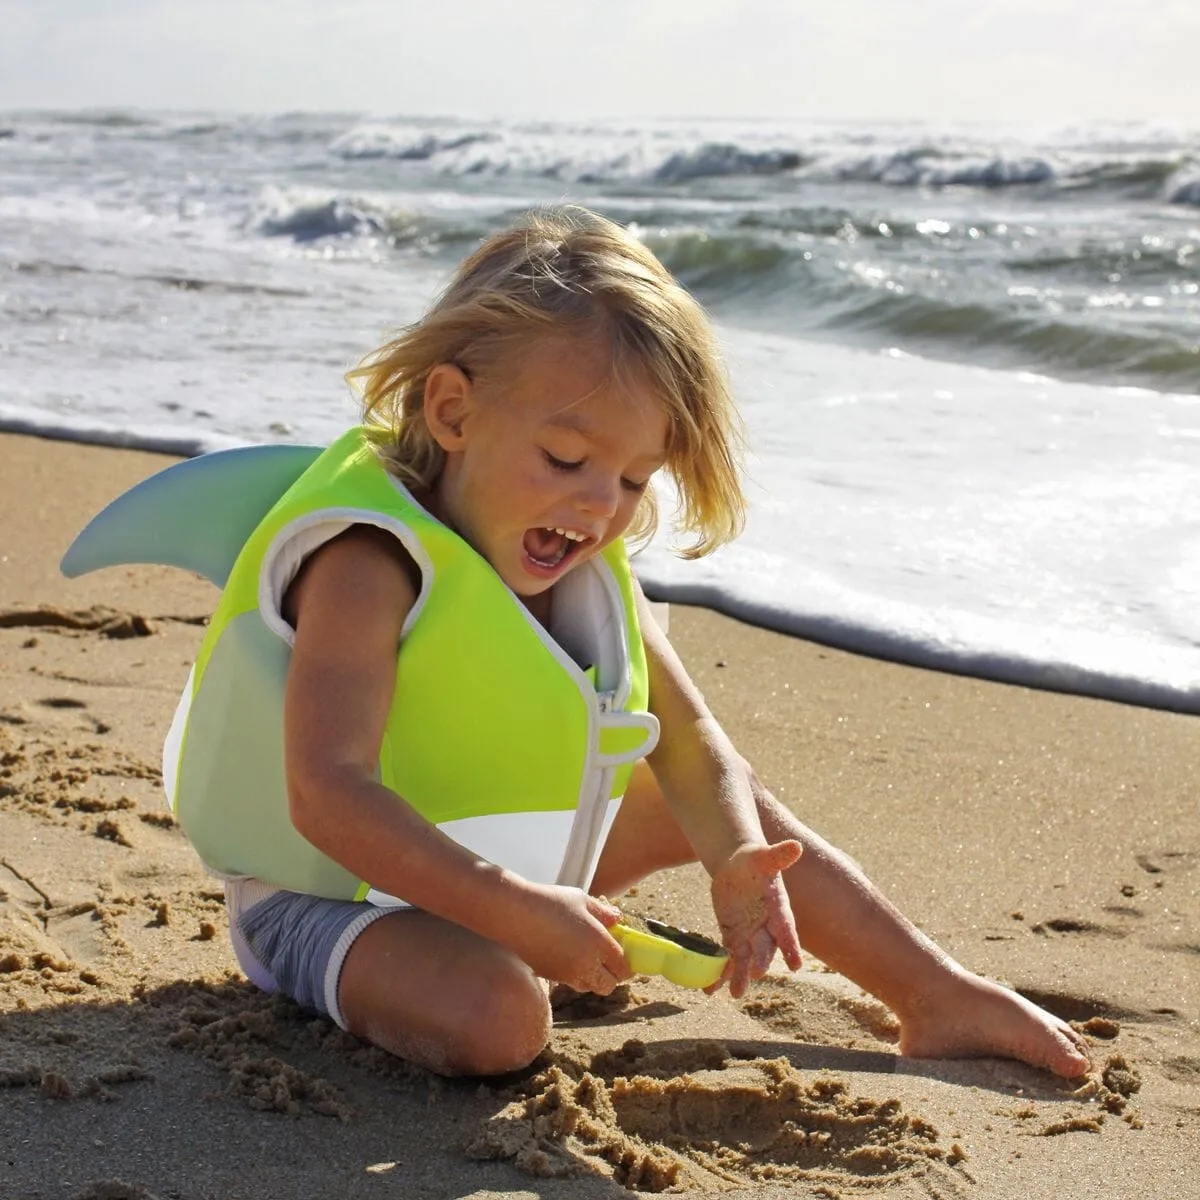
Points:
point(654, 948)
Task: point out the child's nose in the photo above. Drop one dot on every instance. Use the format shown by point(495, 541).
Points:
point(600, 496)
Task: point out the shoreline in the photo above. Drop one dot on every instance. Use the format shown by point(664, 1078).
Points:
point(900, 648)
point(1049, 840)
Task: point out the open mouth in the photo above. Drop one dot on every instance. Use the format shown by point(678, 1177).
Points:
point(549, 549)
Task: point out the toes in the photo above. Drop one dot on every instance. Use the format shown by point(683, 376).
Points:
point(1074, 1059)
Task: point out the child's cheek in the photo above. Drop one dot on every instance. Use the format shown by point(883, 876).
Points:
point(540, 483)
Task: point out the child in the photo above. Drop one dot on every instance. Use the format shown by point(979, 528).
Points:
point(432, 676)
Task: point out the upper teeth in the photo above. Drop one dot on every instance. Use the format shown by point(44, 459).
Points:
point(572, 535)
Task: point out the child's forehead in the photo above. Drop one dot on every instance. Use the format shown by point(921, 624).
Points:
point(575, 372)
point(583, 400)
point(576, 383)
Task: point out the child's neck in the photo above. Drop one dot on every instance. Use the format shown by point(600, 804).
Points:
point(541, 606)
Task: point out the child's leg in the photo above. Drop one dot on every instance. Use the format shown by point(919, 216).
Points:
point(945, 1011)
point(443, 997)
point(411, 983)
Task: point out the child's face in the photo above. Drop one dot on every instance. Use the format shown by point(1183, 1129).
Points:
point(547, 465)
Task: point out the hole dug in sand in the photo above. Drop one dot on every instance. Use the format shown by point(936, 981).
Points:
point(725, 1124)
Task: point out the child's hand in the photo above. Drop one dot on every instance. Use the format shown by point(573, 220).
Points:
point(563, 935)
point(754, 914)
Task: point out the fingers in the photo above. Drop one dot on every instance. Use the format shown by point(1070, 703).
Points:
point(615, 963)
point(604, 910)
point(782, 926)
point(726, 974)
point(778, 857)
point(762, 951)
point(604, 978)
point(739, 971)
point(602, 983)
point(789, 947)
point(752, 963)
point(612, 958)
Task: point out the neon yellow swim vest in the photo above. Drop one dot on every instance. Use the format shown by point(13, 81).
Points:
point(495, 733)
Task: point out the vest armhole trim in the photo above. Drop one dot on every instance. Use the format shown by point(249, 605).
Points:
point(308, 530)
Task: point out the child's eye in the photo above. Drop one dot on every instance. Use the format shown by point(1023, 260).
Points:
point(561, 464)
point(630, 486)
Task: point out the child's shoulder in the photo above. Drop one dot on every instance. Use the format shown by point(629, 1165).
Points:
point(361, 566)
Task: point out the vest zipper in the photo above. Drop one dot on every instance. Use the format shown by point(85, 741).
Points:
point(585, 829)
point(580, 850)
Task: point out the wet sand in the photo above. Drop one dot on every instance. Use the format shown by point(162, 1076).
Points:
point(1049, 841)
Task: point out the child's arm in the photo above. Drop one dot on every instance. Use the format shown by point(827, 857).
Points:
point(707, 785)
point(348, 606)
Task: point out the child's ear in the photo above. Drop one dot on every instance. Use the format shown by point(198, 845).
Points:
point(448, 403)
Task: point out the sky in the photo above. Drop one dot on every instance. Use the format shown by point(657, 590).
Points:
point(989, 60)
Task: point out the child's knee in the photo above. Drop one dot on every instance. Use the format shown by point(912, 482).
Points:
point(507, 1026)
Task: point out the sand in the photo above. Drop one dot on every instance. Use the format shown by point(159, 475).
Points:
point(1049, 841)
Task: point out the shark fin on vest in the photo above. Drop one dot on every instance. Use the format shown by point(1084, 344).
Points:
point(196, 514)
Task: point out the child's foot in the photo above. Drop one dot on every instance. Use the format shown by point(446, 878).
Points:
point(977, 1018)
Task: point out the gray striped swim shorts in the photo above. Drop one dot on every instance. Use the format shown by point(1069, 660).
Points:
point(295, 944)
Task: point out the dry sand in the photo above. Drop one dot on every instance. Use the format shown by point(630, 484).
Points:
point(1050, 841)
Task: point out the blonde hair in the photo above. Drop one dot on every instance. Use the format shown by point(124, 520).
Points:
point(569, 271)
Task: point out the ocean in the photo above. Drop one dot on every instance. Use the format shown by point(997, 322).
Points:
point(968, 356)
